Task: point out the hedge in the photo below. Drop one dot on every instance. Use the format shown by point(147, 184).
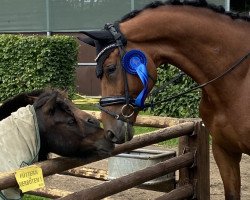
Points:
point(35, 62)
point(184, 106)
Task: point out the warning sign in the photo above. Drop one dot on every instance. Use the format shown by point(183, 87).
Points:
point(29, 178)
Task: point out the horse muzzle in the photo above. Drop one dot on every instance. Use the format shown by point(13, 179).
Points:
point(120, 132)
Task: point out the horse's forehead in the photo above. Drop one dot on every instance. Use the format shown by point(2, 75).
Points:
point(101, 44)
point(113, 56)
point(103, 58)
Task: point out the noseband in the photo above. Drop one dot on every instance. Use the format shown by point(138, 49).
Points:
point(133, 62)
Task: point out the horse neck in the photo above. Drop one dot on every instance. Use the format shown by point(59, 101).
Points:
point(198, 41)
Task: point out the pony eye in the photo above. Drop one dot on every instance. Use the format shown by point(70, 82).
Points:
point(71, 122)
point(111, 69)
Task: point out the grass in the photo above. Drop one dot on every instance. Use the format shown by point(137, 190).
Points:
point(86, 103)
point(168, 143)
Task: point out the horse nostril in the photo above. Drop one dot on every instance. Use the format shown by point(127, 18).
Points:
point(110, 134)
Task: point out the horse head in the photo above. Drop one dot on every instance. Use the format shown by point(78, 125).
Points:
point(66, 130)
point(127, 75)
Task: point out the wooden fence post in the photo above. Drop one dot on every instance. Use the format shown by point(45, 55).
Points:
point(199, 174)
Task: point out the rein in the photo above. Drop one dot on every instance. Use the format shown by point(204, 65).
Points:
point(235, 65)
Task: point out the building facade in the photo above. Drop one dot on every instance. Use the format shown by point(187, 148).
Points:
point(69, 17)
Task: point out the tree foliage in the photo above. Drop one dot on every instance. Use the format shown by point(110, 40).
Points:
point(183, 106)
point(34, 62)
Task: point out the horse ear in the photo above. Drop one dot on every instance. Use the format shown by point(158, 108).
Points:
point(88, 41)
point(99, 35)
point(50, 106)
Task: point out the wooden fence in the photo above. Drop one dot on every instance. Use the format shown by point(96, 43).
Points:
point(192, 163)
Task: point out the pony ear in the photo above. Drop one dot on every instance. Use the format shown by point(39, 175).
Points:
point(99, 35)
point(88, 41)
point(50, 105)
point(31, 99)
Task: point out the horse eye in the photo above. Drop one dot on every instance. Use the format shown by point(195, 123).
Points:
point(111, 69)
point(71, 122)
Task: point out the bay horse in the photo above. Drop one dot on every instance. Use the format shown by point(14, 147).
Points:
point(45, 121)
point(208, 44)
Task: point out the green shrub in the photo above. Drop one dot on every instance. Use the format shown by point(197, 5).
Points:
point(34, 62)
point(184, 106)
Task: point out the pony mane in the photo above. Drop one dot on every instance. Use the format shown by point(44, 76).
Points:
point(198, 3)
point(24, 99)
point(61, 102)
point(50, 91)
point(16, 102)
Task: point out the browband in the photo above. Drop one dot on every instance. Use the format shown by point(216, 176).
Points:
point(104, 50)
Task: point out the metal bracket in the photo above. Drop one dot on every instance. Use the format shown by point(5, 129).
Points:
point(185, 150)
point(194, 188)
point(194, 133)
point(195, 159)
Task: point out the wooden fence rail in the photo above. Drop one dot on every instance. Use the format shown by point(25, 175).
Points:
point(131, 180)
point(192, 163)
point(193, 180)
point(152, 121)
point(61, 164)
point(183, 192)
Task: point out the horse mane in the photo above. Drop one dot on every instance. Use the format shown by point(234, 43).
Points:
point(24, 99)
point(198, 3)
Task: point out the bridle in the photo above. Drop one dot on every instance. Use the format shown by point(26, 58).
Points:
point(128, 102)
point(131, 103)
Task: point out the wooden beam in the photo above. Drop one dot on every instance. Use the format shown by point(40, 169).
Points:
point(157, 136)
point(183, 192)
point(50, 193)
point(131, 180)
point(61, 164)
point(201, 170)
point(151, 121)
point(199, 174)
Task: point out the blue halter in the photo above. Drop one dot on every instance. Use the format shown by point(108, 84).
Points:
point(135, 62)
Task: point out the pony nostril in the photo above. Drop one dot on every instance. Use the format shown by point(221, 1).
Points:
point(111, 136)
point(93, 121)
point(90, 121)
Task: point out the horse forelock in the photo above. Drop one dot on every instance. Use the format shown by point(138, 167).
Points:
point(47, 94)
point(105, 46)
point(199, 3)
